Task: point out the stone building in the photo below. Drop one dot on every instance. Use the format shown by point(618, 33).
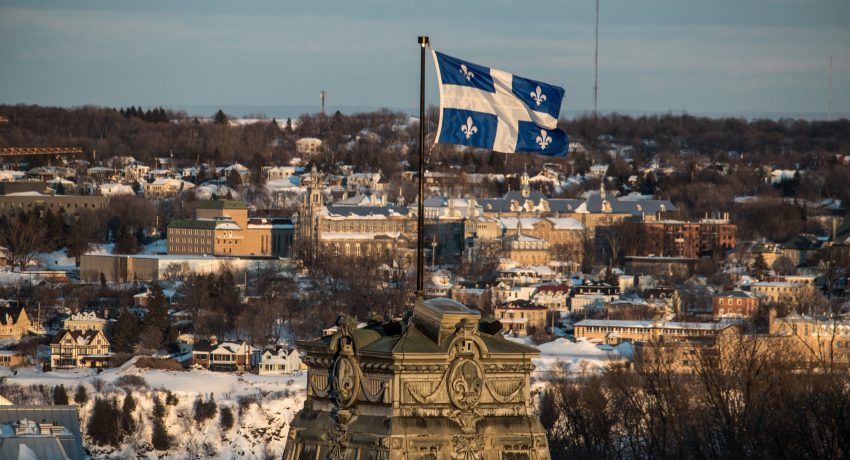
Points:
point(735, 304)
point(222, 227)
point(440, 384)
point(352, 230)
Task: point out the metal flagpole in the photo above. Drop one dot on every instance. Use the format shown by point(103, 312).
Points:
point(420, 227)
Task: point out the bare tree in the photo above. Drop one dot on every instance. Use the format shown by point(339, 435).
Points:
point(23, 236)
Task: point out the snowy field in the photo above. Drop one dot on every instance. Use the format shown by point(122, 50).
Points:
point(562, 357)
point(262, 407)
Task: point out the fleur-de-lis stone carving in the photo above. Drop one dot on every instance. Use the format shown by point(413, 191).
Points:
point(543, 139)
point(469, 129)
point(467, 73)
point(538, 96)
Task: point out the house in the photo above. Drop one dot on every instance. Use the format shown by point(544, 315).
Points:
point(165, 188)
point(735, 304)
point(84, 321)
point(308, 145)
point(225, 356)
point(776, 291)
point(70, 349)
point(14, 322)
point(592, 296)
point(521, 317)
point(552, 296)
point(11, 358)
point(279, 361)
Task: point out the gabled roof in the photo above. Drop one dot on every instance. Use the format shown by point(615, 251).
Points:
point(79, 337)
point(10, 314)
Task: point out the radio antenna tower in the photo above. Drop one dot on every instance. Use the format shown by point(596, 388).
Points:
point(596, 65)
point(830, 89)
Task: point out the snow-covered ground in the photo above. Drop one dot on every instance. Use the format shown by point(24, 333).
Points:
point(262, 407)
point(563, 356)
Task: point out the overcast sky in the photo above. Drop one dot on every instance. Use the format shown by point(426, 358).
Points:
point(702, 56)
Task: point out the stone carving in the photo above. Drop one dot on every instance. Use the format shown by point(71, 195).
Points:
point(466, 381)
point(505, 389)
point(467, 447)
point(345, 381)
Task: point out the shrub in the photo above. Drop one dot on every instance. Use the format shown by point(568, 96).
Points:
point(226, 418)
point(131, 381)
point(81, 396)
point(171, 398)
point(156, 363)
point(204, 410)
point(117, 359)
point(60, 396)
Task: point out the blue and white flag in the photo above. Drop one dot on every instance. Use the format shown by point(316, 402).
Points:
point(492, 109)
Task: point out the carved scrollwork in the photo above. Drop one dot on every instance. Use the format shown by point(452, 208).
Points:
point(504, 389)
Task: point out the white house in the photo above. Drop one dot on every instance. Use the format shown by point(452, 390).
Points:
point(308, 145)
point(280, 361)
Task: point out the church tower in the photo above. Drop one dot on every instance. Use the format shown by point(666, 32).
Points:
point(308, 216)
point(525, 185)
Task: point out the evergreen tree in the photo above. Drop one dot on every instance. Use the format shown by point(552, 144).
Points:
point(125, 332)
point(60, 396)
point(127, 422)
point(157, 316)
point(759, 264)
point(81, 396)
point(160, 438)
point(204, 410)
point(158, 408)
point(257, 176)
point(220, 118)
point(234, 179)
point(104, 420)
point(226, 418)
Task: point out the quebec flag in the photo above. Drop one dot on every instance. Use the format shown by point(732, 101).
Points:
point(491, 109)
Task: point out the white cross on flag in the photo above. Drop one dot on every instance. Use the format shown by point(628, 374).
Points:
point(492, 109)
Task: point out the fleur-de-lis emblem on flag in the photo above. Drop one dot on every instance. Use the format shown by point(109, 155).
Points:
point(469, 129)
point(467, 73)
point(538, 96)
point(543, 139)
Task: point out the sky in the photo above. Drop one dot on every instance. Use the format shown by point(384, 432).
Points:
point(699, 56)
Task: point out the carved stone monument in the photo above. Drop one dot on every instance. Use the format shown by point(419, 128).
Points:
point(442, 384)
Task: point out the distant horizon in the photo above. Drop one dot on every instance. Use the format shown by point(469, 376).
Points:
point(278, 111)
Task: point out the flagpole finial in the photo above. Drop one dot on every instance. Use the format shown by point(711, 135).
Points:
point(424, 41)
